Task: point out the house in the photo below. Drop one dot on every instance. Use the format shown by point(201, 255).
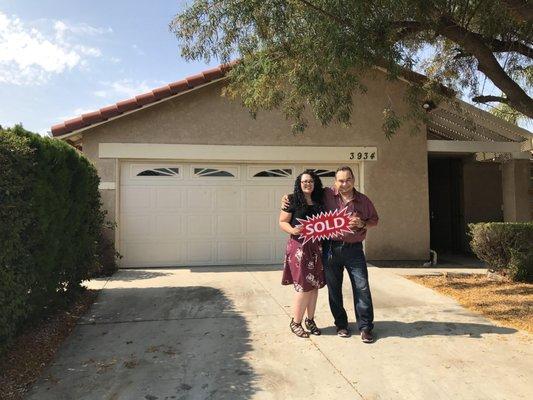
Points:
point(191, 179)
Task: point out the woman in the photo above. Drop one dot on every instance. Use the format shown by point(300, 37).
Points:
point(303, 262)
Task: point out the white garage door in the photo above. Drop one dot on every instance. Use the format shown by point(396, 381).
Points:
point(177, 214)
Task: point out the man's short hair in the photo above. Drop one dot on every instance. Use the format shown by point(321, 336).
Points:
point(345, 168)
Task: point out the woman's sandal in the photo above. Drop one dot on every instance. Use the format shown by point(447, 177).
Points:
point(311, 326)
point(297, 329)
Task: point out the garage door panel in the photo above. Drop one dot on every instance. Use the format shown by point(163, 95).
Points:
point(138, 227)
point(136, 198)
point(230, 225)
point(279, 249)
point(200, 225)
point(258, 224)
point(201, 198)
point(279, 192)
point(258, 198)
point(229, 198)
point(259, 251)
point(141, 254)
point(201, 252)
point(229, 252)
point(169, 226)
point(168, 198)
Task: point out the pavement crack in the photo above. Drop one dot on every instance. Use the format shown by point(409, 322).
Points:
point(312, 341)
point(128, 321)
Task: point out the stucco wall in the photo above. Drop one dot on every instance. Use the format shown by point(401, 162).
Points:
point(515, 178)
point(482, 194)
point(396, 183)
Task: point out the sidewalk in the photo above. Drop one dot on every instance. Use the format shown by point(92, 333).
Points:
point(222, 333)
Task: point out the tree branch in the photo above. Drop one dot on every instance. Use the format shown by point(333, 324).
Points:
point(500, 46)
point(406, 28)
point(487, 63)
point(489, 99)
point(520, 10)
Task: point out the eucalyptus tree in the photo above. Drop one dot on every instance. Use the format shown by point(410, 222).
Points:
point(298, 54)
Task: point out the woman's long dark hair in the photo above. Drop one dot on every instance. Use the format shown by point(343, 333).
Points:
point(318, 191)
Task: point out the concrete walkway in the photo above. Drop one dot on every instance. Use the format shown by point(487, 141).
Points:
point(222, 333)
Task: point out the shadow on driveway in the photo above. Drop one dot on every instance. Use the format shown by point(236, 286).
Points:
point(154, 343)
point(131, 275)
point(385, 329)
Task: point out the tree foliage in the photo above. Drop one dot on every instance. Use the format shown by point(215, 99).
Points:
point(313, 53)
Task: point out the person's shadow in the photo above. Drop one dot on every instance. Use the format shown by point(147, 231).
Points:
point(385, 329)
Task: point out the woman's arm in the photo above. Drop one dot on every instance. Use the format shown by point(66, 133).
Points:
point(285, 223)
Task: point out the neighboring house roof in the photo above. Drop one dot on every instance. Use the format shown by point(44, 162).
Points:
point(464, 122)
point(163, 92)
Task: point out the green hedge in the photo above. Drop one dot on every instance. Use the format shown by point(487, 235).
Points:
point(50, 226)
point(505, 247)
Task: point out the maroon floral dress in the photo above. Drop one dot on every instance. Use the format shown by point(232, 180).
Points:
point(302, 265)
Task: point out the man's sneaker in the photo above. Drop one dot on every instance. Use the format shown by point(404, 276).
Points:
point(343, 332)
point(366, 336)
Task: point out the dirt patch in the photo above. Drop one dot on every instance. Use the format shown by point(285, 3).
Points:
point(507, 303)
point(35, 348)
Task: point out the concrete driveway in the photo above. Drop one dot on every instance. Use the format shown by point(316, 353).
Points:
point(222, 333)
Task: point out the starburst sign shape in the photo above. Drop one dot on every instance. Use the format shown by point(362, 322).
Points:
point(326, 225)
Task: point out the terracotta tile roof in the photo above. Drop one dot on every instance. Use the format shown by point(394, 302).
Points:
point(141, 100)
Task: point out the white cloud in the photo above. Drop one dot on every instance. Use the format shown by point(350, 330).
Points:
point(88, 51)
point(29, 56)
point(138, 50)
point(82, 29)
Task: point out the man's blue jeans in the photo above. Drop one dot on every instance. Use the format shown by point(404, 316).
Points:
point(336, 258)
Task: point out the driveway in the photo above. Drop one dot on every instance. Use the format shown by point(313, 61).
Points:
point(222, 333)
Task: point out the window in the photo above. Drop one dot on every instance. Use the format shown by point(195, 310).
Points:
point(274, 173)
point(212, 172)
point(160, 172)
point(324, 172)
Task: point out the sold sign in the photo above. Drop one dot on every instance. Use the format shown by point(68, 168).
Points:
point(326, 225)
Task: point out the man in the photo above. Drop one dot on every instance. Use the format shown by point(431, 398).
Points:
point(346, 251)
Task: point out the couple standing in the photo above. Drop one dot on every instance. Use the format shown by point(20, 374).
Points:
point(311, 265)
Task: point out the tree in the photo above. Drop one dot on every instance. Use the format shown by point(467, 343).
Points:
point(294, 54)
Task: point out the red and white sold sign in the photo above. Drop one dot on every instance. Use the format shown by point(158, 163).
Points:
point(326, 225)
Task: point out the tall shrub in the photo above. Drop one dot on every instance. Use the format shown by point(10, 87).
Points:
point(51, 221)
point(505, 247)
point(16, 277)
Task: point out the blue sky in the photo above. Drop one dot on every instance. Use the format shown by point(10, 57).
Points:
point(60, 58)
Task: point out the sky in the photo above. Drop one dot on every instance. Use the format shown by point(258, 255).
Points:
point(59, 59)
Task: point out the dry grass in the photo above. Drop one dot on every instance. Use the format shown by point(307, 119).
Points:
point(35, 348)
point(507, 303)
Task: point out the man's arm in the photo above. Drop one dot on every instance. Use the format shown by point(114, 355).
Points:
point(373, 219)
point(285, 202)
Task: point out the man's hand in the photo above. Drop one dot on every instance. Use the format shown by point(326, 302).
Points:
point(285, 202)
point(356, 222)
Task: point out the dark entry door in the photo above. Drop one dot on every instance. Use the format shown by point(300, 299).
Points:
point(445, 182)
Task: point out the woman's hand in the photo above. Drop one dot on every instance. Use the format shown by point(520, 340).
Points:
point(296, 230)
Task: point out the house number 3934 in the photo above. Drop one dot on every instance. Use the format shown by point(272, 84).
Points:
point(363, 155)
